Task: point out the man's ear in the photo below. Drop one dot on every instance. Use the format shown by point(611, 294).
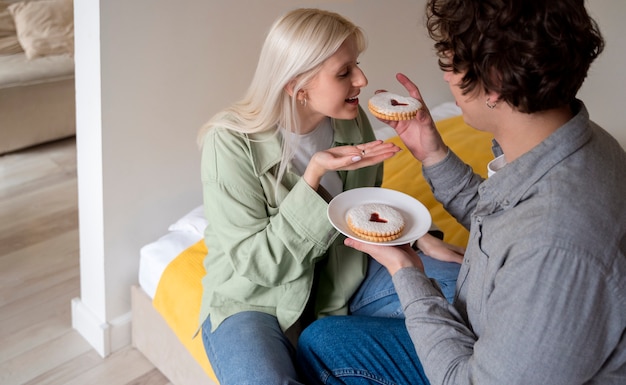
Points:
point(495, 96)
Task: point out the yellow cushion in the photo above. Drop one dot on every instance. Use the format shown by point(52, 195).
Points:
point(179, 291)
point(404, 173)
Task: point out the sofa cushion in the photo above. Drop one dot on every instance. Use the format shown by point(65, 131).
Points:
point(44, 27)
point(18, 71)
point(7, 26)
point(9, 44)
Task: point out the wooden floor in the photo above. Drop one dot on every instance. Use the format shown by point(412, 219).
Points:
point(39, 275)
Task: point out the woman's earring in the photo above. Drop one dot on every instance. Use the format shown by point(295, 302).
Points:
point(303, 100)
point(491, 106)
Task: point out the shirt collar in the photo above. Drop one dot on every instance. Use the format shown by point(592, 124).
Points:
point(514, 180)
point(265, 147)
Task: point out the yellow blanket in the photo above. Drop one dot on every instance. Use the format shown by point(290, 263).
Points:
point(404, 173)
point(179, 291)
point(178, 297)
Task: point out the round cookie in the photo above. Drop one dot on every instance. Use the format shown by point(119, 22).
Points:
point(390, 106)
point(375, 222)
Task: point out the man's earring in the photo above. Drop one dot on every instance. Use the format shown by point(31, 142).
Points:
point(491, 106)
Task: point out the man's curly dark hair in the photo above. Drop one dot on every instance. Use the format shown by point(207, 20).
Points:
point(534, 53)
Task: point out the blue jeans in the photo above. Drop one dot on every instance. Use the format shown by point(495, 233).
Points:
point(377, 296)
point(357, 350)
point(372, 346)
point(250, 348)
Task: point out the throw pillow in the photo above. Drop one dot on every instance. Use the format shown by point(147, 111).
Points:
point(44, 27)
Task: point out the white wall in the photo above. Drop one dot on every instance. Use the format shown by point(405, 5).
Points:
point(603, 91)
point(149, 73)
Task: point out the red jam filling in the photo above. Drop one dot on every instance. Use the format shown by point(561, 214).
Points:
point(394, 102)
point(376, 218)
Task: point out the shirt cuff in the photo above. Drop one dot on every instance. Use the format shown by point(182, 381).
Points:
point(446, 174)
point(306, 211)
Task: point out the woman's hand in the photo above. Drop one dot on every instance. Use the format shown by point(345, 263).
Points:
point(440, 250)
point(347, 158)
point(393, 258)
point(419, 134)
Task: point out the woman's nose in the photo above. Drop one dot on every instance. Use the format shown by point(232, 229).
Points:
point(360, 80)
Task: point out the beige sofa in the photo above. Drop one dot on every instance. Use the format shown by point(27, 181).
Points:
point(36, 101)
point(37, 98)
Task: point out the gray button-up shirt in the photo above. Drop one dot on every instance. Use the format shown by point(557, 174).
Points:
point(541, 295)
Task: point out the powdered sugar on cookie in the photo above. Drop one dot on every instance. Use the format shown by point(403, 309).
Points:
point(375, 222)
point(390, 106)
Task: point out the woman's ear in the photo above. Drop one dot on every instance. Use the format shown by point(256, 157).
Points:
point(289, 87)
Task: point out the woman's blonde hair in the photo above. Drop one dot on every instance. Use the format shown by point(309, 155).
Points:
point(294, 49)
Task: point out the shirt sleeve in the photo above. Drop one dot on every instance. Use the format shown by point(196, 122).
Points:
point(455, 185)
point(530, 331)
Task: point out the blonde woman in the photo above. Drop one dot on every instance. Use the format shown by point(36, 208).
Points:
point(270, 164)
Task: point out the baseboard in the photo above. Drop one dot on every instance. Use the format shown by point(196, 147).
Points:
point(104, 337)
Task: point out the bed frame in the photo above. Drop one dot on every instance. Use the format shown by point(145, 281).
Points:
point(154, 339)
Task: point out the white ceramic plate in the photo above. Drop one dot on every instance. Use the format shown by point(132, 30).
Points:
point(416, 216)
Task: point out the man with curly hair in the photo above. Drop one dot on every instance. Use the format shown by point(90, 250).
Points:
point(541, 295)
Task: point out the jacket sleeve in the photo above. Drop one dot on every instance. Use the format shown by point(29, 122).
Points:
point(267, 241)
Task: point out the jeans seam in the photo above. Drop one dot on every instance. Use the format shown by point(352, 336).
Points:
point(324, 375)
point(371, 298)
point(349, 372)
point(214, 365)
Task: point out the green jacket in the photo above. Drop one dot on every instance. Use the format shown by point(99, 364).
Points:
point(262, 250)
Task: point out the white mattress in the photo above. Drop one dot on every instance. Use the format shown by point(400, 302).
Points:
point(189, 229)
point(155, 256)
